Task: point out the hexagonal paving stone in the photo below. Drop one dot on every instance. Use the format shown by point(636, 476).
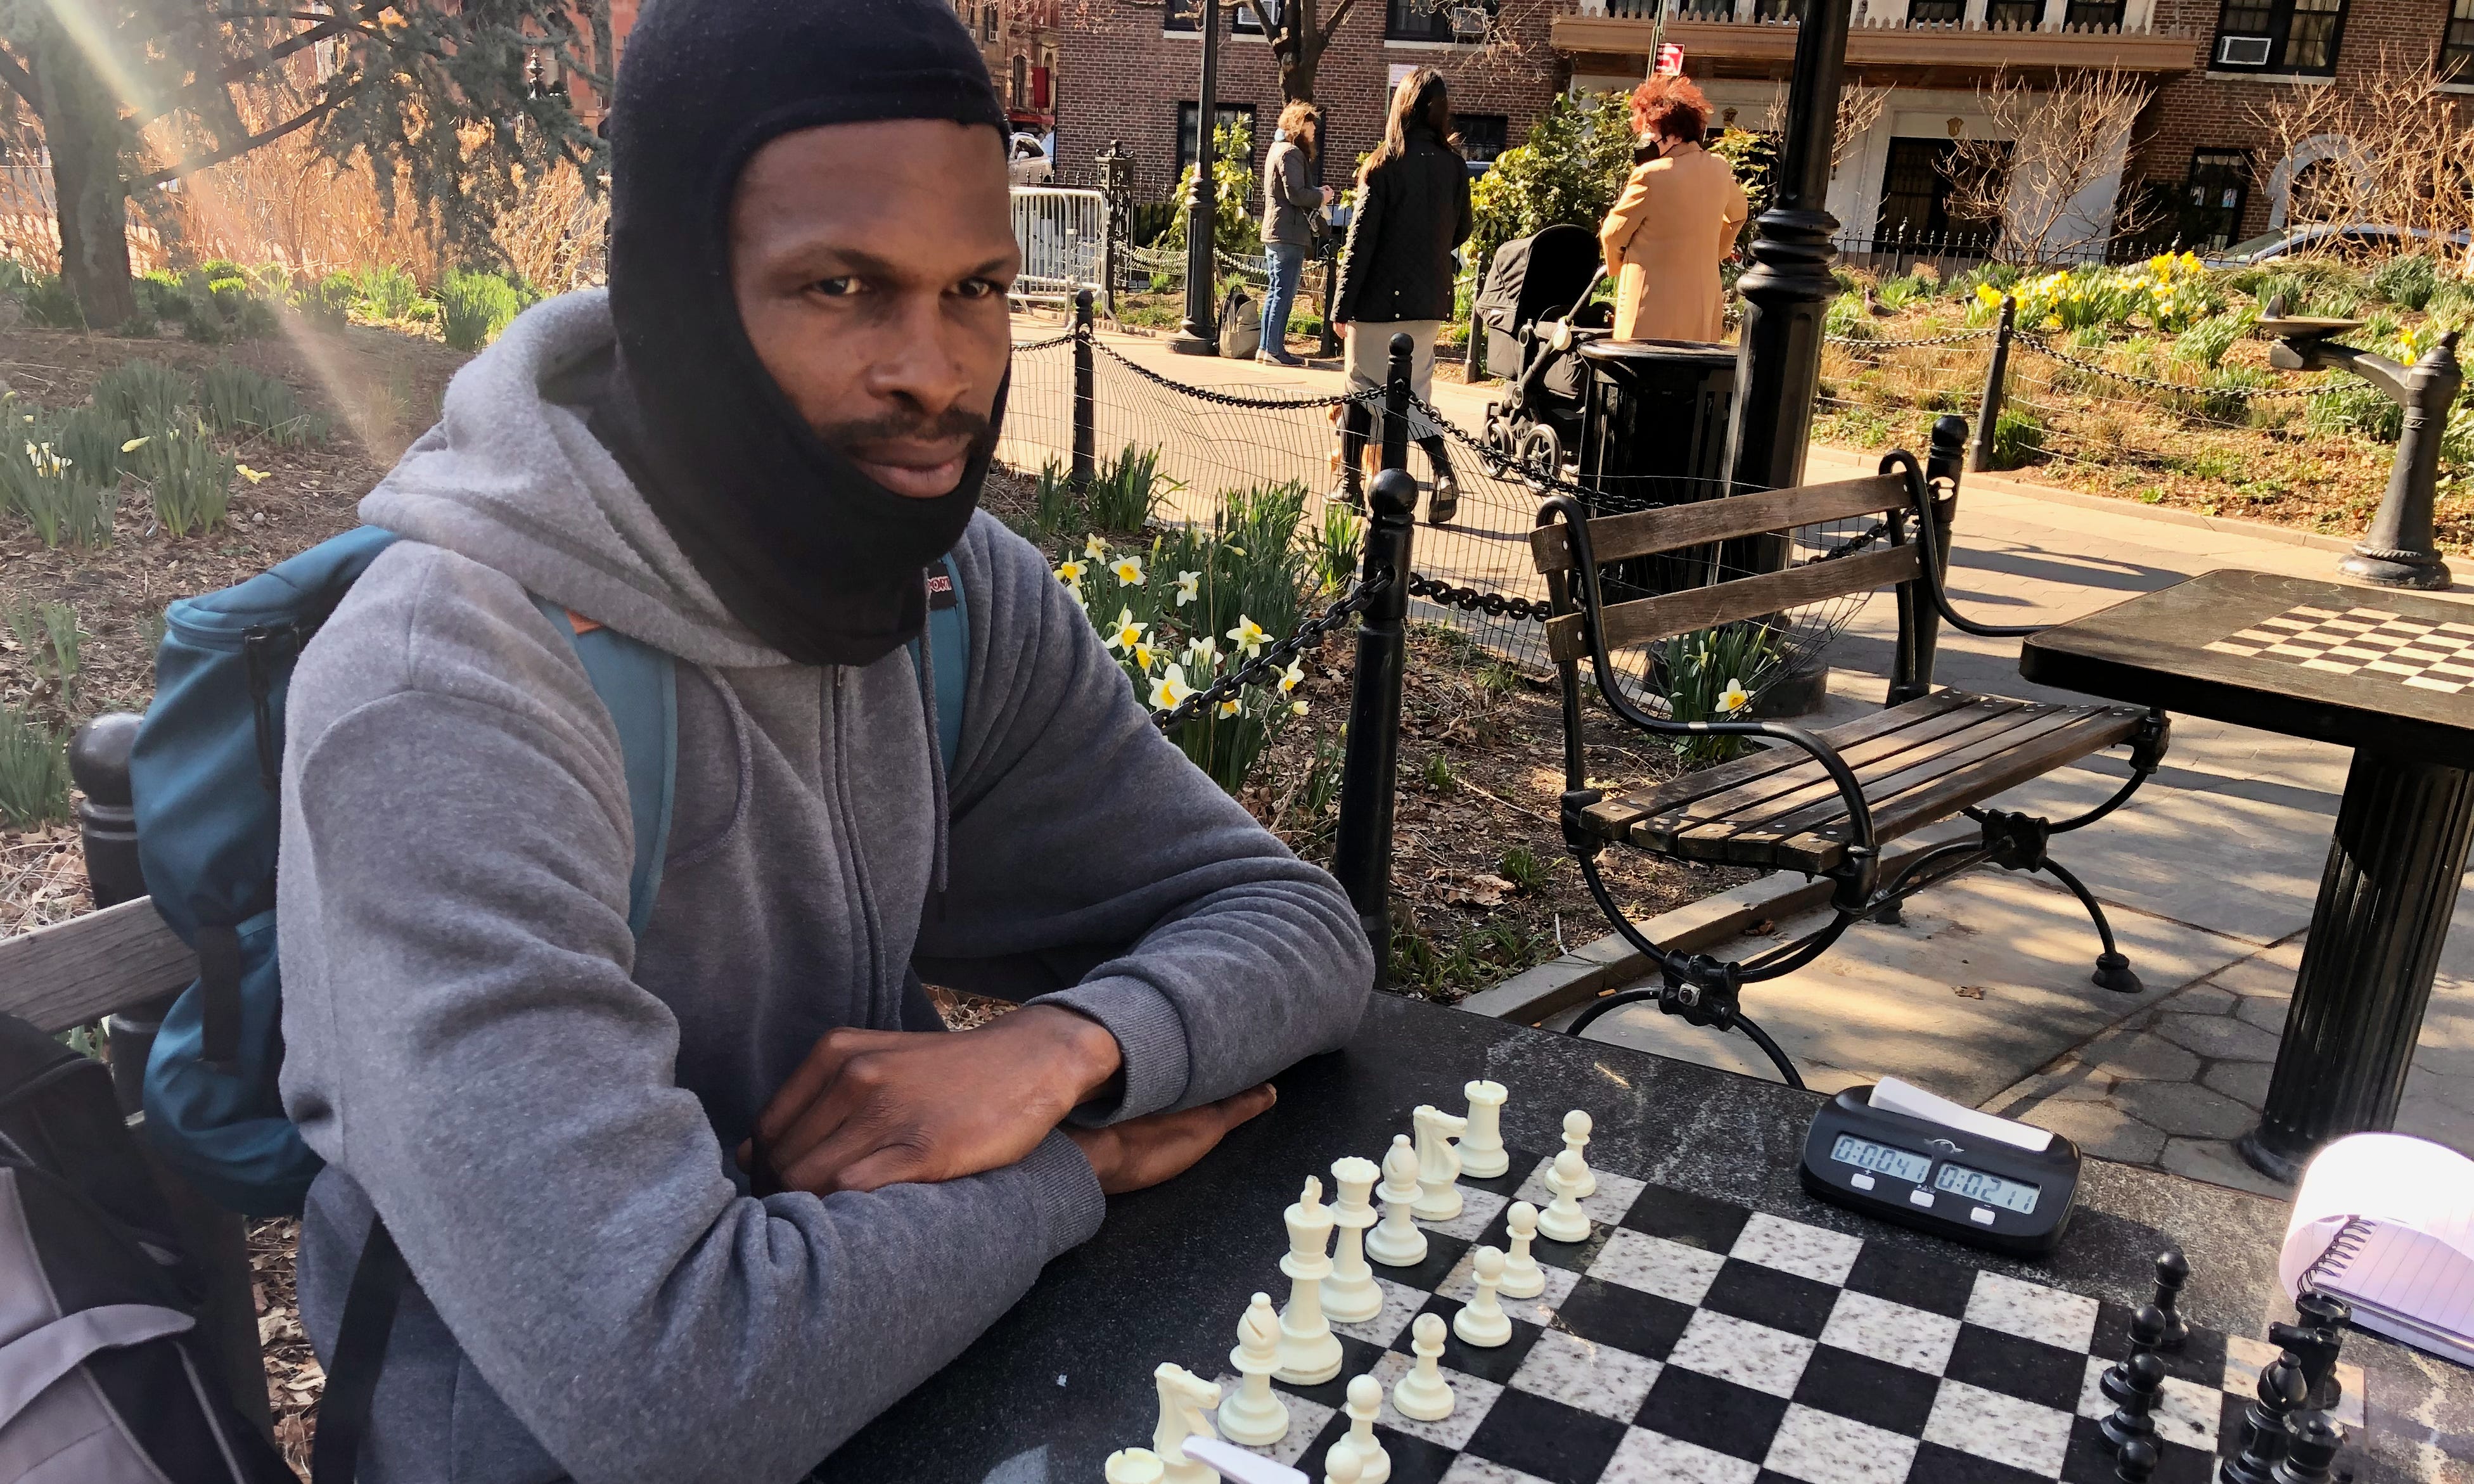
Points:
point(2182, 1109)
point(2133, 1054)
point(2098, 1128)
point(2266, 1011)
point(2205, 999)
point(2426, 1116)
point(2216, 1161)
point(2220, 1037)
point(2245, 1082)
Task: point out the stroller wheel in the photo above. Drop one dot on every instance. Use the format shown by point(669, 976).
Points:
point(1541, 452)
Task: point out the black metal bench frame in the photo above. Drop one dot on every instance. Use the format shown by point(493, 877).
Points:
point(1703, 989)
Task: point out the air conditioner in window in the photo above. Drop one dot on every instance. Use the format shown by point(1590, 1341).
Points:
point(2242, 50)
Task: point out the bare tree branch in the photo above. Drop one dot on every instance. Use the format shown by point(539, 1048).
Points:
point(2030, 189)
point(240, 147)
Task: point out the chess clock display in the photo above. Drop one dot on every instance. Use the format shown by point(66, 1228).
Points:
point(1901, 1155)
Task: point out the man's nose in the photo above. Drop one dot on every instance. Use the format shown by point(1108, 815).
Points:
point(917, 358)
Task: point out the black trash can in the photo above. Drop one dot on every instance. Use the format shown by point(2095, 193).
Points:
point(1654, 434)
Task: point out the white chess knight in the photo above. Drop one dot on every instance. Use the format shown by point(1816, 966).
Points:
point(1350, 1295)
point(1397, 1243)
point(1577, 1127)
point(1365, 1405)
point(1133, 1466)
point(1563, 1220)
point(1481, 1322)
point(1255, 1416)
point(1423, 1394)
point(1522, 1278)
point(1184, 1400)
point(1309, 1351)
point(1438, 1163)
point(1481, 1149)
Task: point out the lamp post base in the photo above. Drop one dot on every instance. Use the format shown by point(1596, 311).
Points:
point(2395, 569)
point(1197, 345)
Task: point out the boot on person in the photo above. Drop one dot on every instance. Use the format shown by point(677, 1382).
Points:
point(1445, 501)
point(1354, 426)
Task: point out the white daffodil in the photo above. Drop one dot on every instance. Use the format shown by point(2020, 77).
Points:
point(136, 444)
point(1734, 698)
point(1128, 571)
point(252, 475)
point(1291, 677)
point(1298, 708)
point(1246, 637)
point(1228, 707)
point(1069, 573)
point(1202, 652)
point(1170, 688)
point(1189, 587)
point(1095, 548)
point(1125, 633)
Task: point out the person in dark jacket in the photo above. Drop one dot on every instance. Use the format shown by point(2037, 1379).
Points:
point(1395, 275)
point(1291, 202)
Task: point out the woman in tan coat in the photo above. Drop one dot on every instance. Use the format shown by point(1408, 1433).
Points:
point(1674, 223)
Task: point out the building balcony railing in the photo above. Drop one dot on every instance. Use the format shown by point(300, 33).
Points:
point(2016, 33)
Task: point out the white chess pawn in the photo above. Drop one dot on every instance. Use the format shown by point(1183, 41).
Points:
point(1309, 1351)
point(1340, 1465)
point(1577, 1127)
point(1438, 1163)
point(1349, 1296)
point(1563, 1220)
point(1255, 1416)
point(1481, 1149)
point(1132, 1465)
point(1397, 1243)
point(1522, 1278)
point(1481, 1322)
point(1365, 1405)
point(1423, 1394)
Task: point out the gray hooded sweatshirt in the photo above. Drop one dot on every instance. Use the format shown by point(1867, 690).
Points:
point(543, 1107)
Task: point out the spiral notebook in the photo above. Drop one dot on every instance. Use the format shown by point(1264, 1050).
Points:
point(2387, 1223)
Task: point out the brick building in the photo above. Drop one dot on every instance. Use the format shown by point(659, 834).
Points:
point(1130, 73)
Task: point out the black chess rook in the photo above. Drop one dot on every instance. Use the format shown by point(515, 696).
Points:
point(2264, 1433)
point(2310, 1454)
point(2172, 1271)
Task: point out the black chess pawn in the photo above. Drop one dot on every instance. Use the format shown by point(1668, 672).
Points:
point(2311, 1455)
point(2137, 1461)
point(2265, 1434)
point(2132, 1387)
point(2172, 1271)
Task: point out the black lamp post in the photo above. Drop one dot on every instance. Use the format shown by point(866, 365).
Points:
point(2399, 550)
point(1197, 334)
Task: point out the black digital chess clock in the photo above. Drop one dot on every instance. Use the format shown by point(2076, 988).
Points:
point(1966, 1179)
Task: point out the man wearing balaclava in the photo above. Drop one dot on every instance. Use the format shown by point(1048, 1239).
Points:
point(698, 1204)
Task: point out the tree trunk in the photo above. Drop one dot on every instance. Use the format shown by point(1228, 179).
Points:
point(83, 130)
point(1302, 39)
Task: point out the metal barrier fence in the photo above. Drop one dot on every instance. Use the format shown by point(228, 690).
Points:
point(1063, 237)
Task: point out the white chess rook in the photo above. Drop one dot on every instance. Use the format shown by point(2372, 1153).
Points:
point(1309, 1351)
point(1184, 1400)
point(1350, 1295)
point(1522, 1278)
point(1255, 1416)
point(1577, 1129)
point(1365, 1405)
point(1481, 1150)
point(1481, 1322)
point(1423, 1394)
point(1132, 1465)
point(1438, 1163)
point(1563, 1220)
point(1397, 1243)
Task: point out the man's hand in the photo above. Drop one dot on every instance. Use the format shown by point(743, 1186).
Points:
point(882, 1107)
point(1143, 1152)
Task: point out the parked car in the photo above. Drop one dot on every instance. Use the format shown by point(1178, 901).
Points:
point(1026, 162)
point(2359, 239)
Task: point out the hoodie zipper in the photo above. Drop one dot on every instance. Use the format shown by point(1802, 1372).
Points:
point(849, 819)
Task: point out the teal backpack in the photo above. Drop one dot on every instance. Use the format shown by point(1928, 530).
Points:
point(205, 774)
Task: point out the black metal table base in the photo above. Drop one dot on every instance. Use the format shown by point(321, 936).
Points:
point(2385, 903)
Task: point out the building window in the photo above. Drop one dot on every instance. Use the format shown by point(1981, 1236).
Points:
point(1439, 20)
point(2456, 43)
point(1018, 97)
point(2213, 196)
point(2278, 36)
point(1229, 113)
point(2017, 14)
point(1937, 12)
point(2102, 14)
point(1916, 189)
point(1242, 18)
point(988, 24)
point(1483, 136)
point(1181, 15)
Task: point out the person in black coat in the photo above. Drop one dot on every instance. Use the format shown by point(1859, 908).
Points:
point(1397, 272)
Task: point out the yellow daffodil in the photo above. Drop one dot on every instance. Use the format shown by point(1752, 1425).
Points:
point(252, 475)
point(1189, 587)
point(1228, 707)
point(1144, 655)
point(1734, 698)
point(1069, 573)
point(1231, 551)
point(136, 444)
point(1988, 296)
point(1296, 708)
point(1095, 548)
point(1125, 633)
point(1128, 571)
point(1248, 637)
point(1291, 677)
point(1170, 688)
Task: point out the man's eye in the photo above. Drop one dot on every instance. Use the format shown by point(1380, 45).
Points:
point(977, 288)
point(836, 288)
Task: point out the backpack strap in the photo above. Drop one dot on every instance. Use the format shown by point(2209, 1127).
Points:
point(639, 685)
point(948, 641)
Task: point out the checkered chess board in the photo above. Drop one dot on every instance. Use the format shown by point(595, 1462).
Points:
point(2363, 641)
point(1697, 1341)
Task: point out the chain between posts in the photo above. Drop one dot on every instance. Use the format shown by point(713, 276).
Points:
point(1961, 338)
point(1266, 667)
point(2036, 343)
point(1049, 344)
point(1492, 604)
point(1230, 398)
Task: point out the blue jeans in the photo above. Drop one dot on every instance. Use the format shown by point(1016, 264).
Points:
point(1287, 265)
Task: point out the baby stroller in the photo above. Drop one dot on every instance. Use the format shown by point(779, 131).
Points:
point(1533, 287)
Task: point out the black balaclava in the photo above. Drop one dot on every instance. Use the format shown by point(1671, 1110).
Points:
point(821, 561)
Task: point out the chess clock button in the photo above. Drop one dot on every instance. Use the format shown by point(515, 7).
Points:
point(1921, 1197)
point(1860, 1180)
point(1983, 1216)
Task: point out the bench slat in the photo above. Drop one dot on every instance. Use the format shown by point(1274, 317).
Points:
point(86, 968)
point(1648, 619)
point(1672, 527)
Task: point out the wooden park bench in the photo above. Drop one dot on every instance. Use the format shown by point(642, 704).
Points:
point(1822, 803)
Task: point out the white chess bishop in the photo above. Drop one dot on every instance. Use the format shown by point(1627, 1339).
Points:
point(1255, 1416)
point(1481, 1149)
point(1309, 1351)
point(1350, 1295)
point(1397, 1243)
point(1438, 1163)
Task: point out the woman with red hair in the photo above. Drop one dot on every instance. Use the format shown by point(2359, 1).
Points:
point(1675, 222)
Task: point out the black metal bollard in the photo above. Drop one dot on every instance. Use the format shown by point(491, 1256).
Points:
point(1086, 466)
point(1368, 776)
point(1997, 375)
point(108, 828)
point(1916, 615)
point(1395, 405)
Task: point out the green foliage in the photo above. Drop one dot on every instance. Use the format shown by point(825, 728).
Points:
point(1124, 488)
point(236, 399)
point(2018, 436)
point(327, 303)
point(1895, 294)
point(1755, 159)
point(90, 438)
point(387, 292)
point(50, 303)
point(1054, 509)
point(1337, 542)
point(1846, 317)
point(1998, 277)
point(474, 306)
point(1478, 957)
point(164, 295)
point(189, 477)
point(1233, 189)
point(1521, 868)
point(2205, 343)
point(2319, 290)
point(2353, 406)
point(2221, 398)
point(2407, 280)
point(51, 639)
point(1712, 676)
point(1569, 169)
point(34, 771)
point(66, 504)
point(141, 394)
point(1438, 774)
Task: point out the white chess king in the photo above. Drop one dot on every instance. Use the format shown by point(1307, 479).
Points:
point(1309, 1351)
